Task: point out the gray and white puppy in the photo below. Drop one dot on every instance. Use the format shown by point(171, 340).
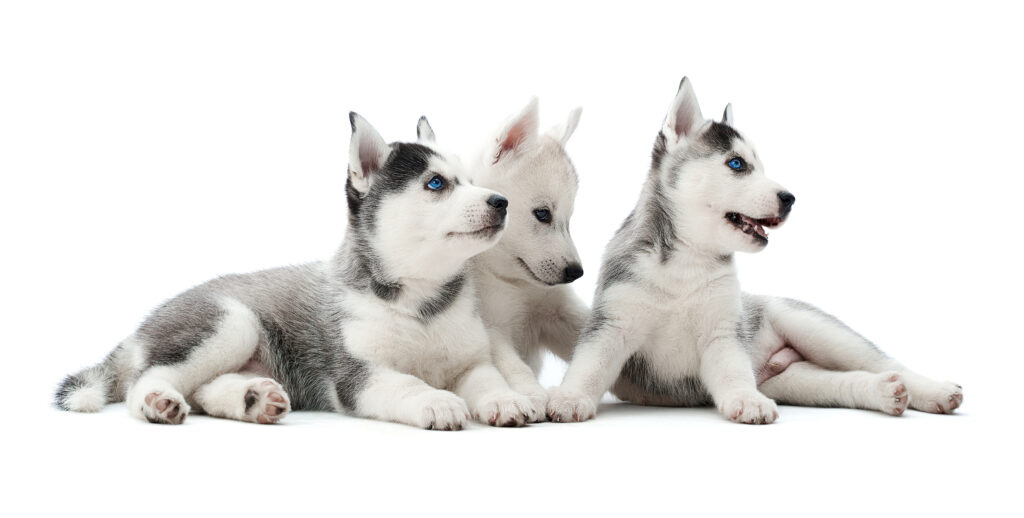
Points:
point(669, 324)
point(525, 298)
point(386, 329)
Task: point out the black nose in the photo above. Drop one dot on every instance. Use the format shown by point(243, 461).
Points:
point(573, 272)
point(499, 202)
point(786, 200)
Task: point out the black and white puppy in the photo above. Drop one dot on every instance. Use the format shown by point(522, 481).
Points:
point(386, 329)
point(669, 325)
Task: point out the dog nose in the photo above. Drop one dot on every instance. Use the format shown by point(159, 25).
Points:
point(573, 272)
point(499, 202)
point(786, 200)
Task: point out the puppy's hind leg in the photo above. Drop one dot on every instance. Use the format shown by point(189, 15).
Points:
point(806, 384)
point(184, 345)
point(826, 341)
point(244, 397)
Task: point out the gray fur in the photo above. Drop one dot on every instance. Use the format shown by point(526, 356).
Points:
point(179, 326)
point(596, 322)
point(751, 321)
point(445, 297)
point(687, 391)
point(300, 341)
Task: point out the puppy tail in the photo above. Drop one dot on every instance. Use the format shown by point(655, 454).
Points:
point(90, 389)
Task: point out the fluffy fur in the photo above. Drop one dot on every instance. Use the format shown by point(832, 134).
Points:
point(525, 298)
point(387, 329)
point(669, 324)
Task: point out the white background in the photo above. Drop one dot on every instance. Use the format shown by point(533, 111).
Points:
point(145, 148)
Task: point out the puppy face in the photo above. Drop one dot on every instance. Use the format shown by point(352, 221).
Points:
point(415, 207)
point(538, 178)
point(722, 199)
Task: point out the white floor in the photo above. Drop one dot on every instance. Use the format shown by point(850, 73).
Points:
point(630, 460)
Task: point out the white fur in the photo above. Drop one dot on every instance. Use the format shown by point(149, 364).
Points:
point(681, 311)
point(524, 304)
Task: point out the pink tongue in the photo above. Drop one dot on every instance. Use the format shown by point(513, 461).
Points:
point(757, 226)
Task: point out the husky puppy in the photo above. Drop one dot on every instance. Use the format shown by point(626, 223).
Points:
point(669, 324)
point(386, 329)
point(523, 281)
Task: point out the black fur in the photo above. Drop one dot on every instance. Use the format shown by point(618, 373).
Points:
point(250, 399)
point(449, 292)
point(718, 138)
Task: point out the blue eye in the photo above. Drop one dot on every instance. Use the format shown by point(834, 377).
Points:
point(435, 184)
point(543, 215)
point(736, 164)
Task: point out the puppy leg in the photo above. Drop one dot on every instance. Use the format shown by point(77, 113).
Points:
point(159, 394)
point(389, 395)
point(518, 374)
point(806, 384)
point(727, 372)
point(826, 341)
point(244, 397)
point(492, 401)
point(596, 363)
point(561, 330)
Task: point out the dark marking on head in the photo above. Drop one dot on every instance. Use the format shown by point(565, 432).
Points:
point(718, 137)
point(443, 300)
point(406, 163)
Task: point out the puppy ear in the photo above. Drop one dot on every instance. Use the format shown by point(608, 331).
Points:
point(366, 153)
point(562, 132)
point(424, 133)
point(517, 133)
point(727, 116)
point(684, 118)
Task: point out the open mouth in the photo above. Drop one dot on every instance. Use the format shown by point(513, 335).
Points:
point(751, 226)
point(483, 233)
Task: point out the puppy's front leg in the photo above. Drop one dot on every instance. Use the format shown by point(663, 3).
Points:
point(390, 395)
point(517, 373)
point(595, 365)
point(491, 400)
point(728, 374)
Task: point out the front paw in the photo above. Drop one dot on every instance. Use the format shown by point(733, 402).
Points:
point(504, 409)
point(538, 404)
point(441, 410)
point(750, 407)
point(567, 406)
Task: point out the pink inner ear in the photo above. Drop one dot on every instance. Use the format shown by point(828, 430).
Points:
point(368, 159)
point(515, 136)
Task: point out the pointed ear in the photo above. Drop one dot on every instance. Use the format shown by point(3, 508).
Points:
point(424, 133)
point(366, 153)
point(562, 132)
point(684, 118)
point(727, 116)
point(517, 133)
